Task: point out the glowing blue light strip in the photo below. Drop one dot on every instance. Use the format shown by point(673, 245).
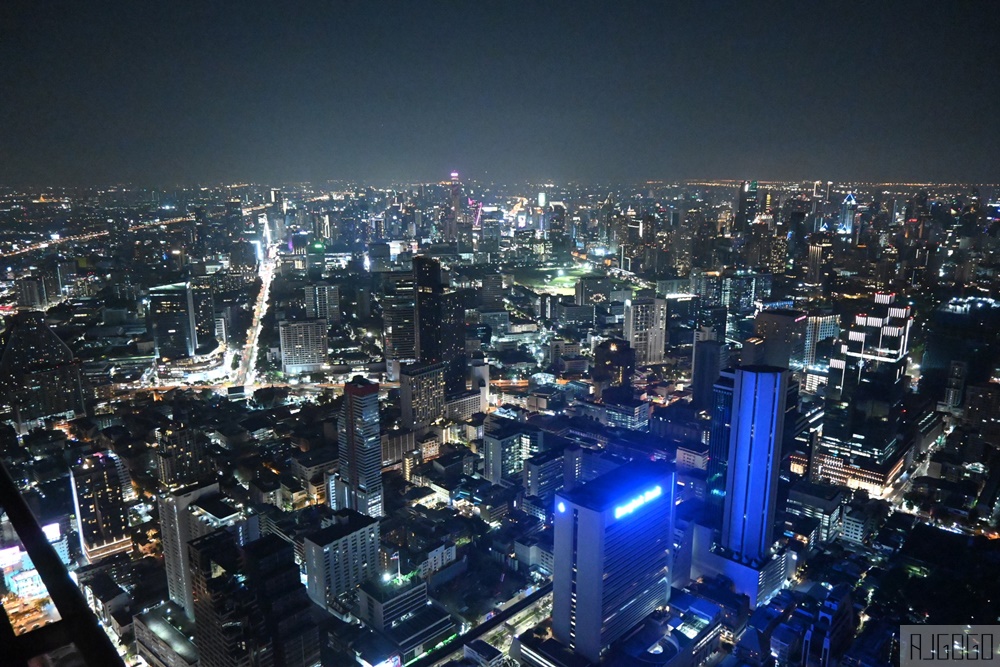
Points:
point(638, 501)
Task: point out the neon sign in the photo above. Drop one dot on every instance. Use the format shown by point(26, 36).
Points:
point(638, 501)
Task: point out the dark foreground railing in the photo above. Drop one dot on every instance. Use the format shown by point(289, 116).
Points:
point(77, 627)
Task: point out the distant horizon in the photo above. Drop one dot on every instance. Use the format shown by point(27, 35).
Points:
point(384, 183)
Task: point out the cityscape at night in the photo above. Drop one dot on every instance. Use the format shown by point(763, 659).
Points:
point(478, 335)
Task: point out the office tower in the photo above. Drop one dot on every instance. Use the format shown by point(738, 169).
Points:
point(507, 444)
point(613, 540)
point(421, 393)
point(39, 377)
point(250, 608)
point(180, 455)
point(172, 321)
point(746, 208)
point(323, 302)
point(614, 364)
point(645, 329)
point(759, 394)
point(102, 492)
point(593, 289)
point(848, 209)
point(708, 360)
point(203, 303)
point(31, 293)
point(784, 333)
point(303, 346)
point(720, 430)
point(399, 306)
point(272, 575)
point(341, 556)
point(820, 257)
point(860, 446)
point(175, 532)
point(819, 327)
point(492, 290)
point(440, 322)
point(359, 482)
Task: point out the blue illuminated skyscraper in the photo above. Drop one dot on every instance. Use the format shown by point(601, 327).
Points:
point(612, 555)
point(754, 459)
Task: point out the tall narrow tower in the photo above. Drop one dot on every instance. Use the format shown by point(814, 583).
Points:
point(754, 460)
point(359, 486)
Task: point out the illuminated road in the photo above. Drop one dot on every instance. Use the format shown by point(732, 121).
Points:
point(247, 367)
point(43, 245)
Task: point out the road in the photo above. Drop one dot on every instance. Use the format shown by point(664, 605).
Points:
point(43, 245)
point(247, 369)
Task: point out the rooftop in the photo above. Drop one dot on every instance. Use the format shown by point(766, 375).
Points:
point(622, 484)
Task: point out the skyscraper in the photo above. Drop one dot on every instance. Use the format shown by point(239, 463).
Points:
point(303, 346)
point(645, 329)
point(421, 393)
point(754, 460)
point(707, 362)
point(860, 446)
point(399, 307)
point(175, 533)
point(613, 541)
point(172, 320)
point(180, 455)
point(323, 302)
point(102, 493)
point(359, 482)
point(720, 430)
point(440, 322)
point(784, 333)
point(341, 556)
point(250, 608)
point(746, 208)
point(39, 376)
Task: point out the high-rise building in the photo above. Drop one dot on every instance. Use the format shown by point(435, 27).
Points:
point(645, 329)
point(720, 430)
point(359, 481)
point(861, 445)
point(341, 556)
point(399, 306)
point(421, 393)
point(493, 291)
point(203, 303)
point(323, 302)
point(250, 607)
point(614, 364)
point(102, 493)
point(31, 292)
point(180, 455)
point(746, 208)
point(39, 376)
point(303, 346)
point(440, 322)
point(710, 357)
point(175, 533)
point(172, 320)
point(819, 327)
point(784, 333)
point(613, 541)
point(759, 394)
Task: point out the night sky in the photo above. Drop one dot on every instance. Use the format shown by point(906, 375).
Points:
point(174, 92)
